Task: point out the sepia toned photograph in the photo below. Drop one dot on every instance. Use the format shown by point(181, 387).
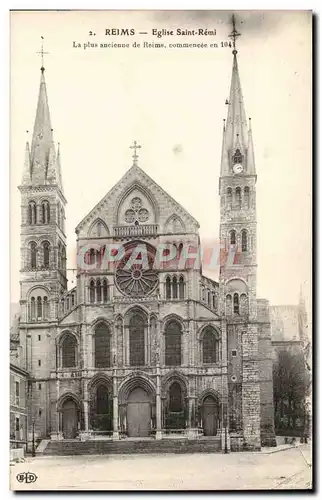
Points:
point(160, 250)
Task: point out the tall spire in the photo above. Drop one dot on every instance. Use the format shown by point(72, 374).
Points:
point(237, 135)
point(42, 138)
point(43, 167)
point(250, 152)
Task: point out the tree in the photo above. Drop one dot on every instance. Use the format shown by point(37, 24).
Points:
point(291, 383)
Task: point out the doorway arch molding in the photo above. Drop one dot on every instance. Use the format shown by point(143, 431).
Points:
point(133, 381)
point(209, 392)
point(68, 396)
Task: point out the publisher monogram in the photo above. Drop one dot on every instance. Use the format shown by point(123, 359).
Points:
point(26, 477)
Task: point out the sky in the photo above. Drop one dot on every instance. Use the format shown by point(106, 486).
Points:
point(173, 102)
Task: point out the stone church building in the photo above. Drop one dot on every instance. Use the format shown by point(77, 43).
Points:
point(144, 345)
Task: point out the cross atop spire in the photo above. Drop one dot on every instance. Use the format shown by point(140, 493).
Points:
point(135, 155)
point(42, 54)
point(234, 34)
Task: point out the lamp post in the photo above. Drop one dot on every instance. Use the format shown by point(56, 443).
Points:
point(33, 451)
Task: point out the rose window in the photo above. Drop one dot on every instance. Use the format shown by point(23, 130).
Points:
point(135, 275)
point(136, 213)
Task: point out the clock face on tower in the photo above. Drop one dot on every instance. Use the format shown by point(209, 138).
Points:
point(238, 168)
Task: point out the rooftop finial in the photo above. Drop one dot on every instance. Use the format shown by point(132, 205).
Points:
point(42, 54)
point(135, 156)
point(234, 34)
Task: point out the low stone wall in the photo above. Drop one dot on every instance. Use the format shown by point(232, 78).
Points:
point(17, 455)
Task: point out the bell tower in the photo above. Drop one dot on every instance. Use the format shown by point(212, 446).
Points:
point(43, 239)
point(237, 280)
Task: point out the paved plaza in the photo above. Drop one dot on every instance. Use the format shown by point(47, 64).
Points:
point(285, 469)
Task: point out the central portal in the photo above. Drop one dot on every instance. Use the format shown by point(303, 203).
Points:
point(138, 413)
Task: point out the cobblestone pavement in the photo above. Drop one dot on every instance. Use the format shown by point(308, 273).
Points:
point(285, 469)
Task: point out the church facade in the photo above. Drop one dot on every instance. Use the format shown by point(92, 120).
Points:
point(145, 345)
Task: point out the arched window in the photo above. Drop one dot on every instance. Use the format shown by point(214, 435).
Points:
point(238, 197)
point(39, 308)
point(175, 398)
point(228, 305)
point(99, 229)
point(168, 288)
point(68, 351)
point(229, 197)
point(238, 157)
point(102, 402)
point(246, 196)
point(58, 214)
point(46, 253)
point(181, 287)
point(92, 292)
point(233, 237)
point(32, 213)
point(236, 303)
point(45, 308)
point(105, 291)
point(98, 291)
point(209, 298)
point(62, 219)
point(59, 264)
point(243, 304)
point(173, 344)
point(45, 212)
point(33, 308)
point(33, 255)
point(63, 259)
point(102, 346)
point(136, 337)
point(244, 240)
point(174, 288)
point(210, 347)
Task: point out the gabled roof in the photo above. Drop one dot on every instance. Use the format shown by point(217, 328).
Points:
point(135, 173)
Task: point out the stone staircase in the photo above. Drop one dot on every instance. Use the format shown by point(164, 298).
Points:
point(127, 446)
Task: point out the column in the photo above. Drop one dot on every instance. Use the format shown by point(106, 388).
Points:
point(86, 407)
point(115, 408)
point(58, 434)
point(158, 434)
point(225, 438)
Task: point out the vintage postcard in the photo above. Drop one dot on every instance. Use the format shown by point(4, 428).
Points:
point(161, 250)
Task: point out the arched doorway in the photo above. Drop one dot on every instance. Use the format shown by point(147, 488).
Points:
point(69, 419)
point(210, 414)
point(138, 413)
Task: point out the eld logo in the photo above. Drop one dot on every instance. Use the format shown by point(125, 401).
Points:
point(26, 477)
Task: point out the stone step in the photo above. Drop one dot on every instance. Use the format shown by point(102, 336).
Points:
point(96, 447)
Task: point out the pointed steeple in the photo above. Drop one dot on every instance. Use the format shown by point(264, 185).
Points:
point(42, 168)
point(26, 170)
point(237, 136)
point(236, 125)
point(250, 152)
point(224, 153)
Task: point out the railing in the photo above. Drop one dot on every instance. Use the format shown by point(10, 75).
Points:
point(143, 230)
point(148, 298)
